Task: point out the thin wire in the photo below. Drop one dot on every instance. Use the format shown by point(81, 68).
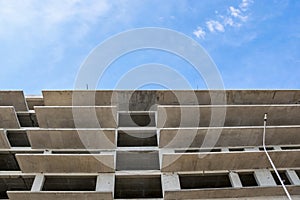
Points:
point(273, 166)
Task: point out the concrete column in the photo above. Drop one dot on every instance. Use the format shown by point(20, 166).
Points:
point(277, 148)
point(225, 149)
point(170, 182)
point(235, 180)
point(47, 151)
point(292, 176)
point(264, 177)
point(38, 183)
point(105, 182)
point(251, 149)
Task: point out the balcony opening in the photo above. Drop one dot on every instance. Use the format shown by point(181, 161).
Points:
point(27, 119)
point(248, 179)
point(298, 173)
point(69, 183)
point(18, 138)
point(290, 148)
point(198, 150)
point(137, 160)
point(8, 162)
point(283, 177)
point(236, 149)
point(137, 119)
point(76, 152)
point(14, 184)
point(132, 187)
point(198, 181)
point(137, 138)
point(267, 148)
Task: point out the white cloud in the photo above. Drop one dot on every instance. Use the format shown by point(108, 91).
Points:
point(235, 12)
point(213, 26)
point(245, 4)
point(199, 33)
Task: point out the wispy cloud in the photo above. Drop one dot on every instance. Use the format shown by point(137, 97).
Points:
point(199, 33)
point(234, 16)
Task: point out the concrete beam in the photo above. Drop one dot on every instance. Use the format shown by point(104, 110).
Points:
point(38, 183)
point(264, 177)
point(236, 115)
point(8, 117)
point(105, 182)
point(13, 98)
point(76, 117)
point(61, 195)
point(228, 161)
point(228, 136)
point(4, 143)
point(292, 176)
point(65, 163)
point(170, 182)
point(235, 180)
point(72, 138)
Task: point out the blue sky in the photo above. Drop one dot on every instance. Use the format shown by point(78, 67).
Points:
point(254, 43)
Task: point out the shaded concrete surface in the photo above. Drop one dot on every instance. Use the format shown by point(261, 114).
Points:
point(231, 193)
point(8, 117)
point(13, 98)
point(76, 117)
point(54, 195)
point(65, 163)
point(72, 138)
point(228, 161)
point(229, 136)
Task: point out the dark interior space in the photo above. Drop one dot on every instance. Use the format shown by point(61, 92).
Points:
point(248, 179)
point(197, 181)
point(137, 138)
point(283, 177)
point(8, 162)
point(18, 138)
point(70, 183)
point(14, 184)
point(130, 187)
point(137, 119)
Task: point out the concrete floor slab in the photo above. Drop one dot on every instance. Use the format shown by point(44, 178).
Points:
point(65, 163)
point(54, 195)
point(228, 161)
point(236, 115)
point(13, 98)
point(72, 138)
point(229, 136)
point(4, 143)
point(8, 117)
point(240, 193)
point(76, 117)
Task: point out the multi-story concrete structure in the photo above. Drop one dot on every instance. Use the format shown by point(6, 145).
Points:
point(149, 144)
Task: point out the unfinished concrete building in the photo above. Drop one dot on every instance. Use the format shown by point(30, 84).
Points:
point(149, 144)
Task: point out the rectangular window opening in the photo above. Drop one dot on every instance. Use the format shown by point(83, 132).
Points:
point(137, 119)
point(14, 184)
point(283, 176)
point(27, 119)
point(236, 149)
point(248, 179)
point(18, 138)
point(70, 183)
point(137, 160)
point(204, 181)
point(139, 138)
point(8, 162)
point(131, 187)
point(290, 147)
point(267, 148)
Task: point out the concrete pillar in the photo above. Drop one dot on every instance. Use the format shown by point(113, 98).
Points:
point(225, 149)
point(235, 180)
point(47, 151)
point(170, 182)
point(277, 148)
point(38, 183)
point(292, 176)
point(251, 149)
point(105, 182)
point(264, 177)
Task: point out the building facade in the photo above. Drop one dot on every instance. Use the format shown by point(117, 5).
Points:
point(151, 144)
